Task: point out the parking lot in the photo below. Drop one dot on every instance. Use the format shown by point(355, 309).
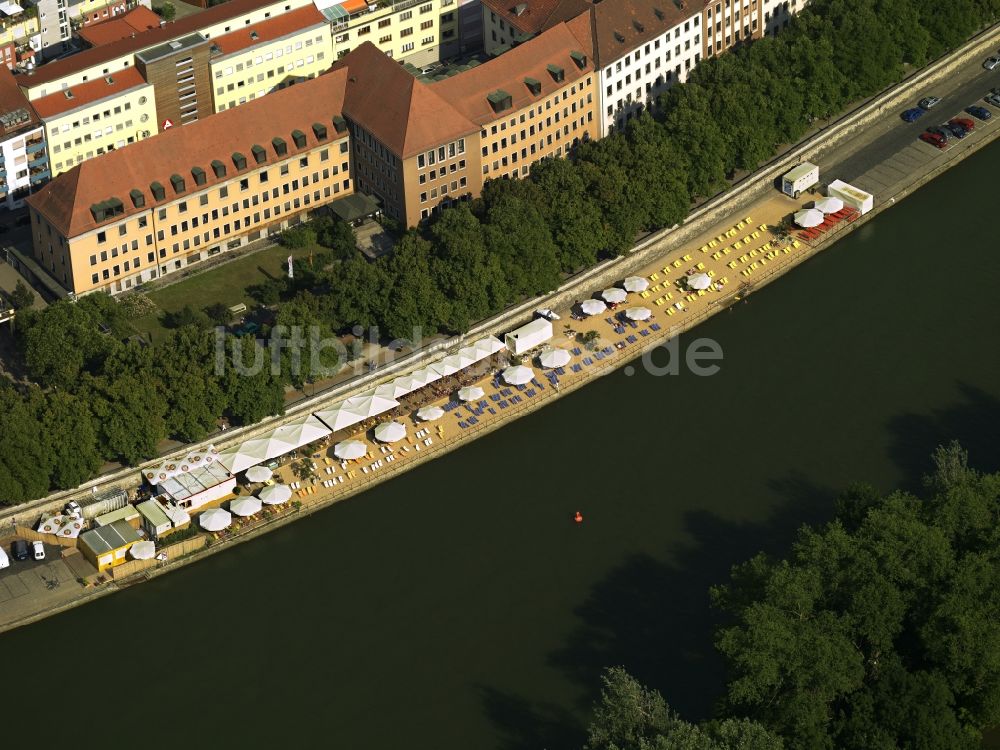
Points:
point(896, 152)
point(28, 585)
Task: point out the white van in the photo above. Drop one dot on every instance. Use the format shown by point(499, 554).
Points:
point(4, 560)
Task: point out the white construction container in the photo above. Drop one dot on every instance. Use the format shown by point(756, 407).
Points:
point(851, 196)
point(529, 336)
point(799, 179)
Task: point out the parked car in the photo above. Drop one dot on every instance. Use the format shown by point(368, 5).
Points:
point(938, 130)
point(19, 550)
point(4, 560)
point(73, 509)
point(957, 130)
point(911, 115)
point(39, 550)
point(965, 122)
point(978, 112)
point(934, 139)
point(929, 102)
point(993, 99)
point(991, 62)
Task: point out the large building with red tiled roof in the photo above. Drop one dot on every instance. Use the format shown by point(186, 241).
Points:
point(122, 26)
point(153, 208)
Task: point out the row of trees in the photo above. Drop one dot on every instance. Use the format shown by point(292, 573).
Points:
point(100, 396)
point(517, 240)
point(879, 630)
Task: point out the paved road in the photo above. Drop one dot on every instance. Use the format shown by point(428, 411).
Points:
point(896, 144)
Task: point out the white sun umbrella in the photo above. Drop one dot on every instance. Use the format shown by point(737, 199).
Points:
point(554, 358)
point(430, 413)
point(638, 313)
point(636, 284)
point(593, 307)
point(215, 519)
point(390, 432)
point(350, 450)
point(699, 281)
point(829, 205)
point(518, 375)
point(275, 494)
point(258, 473)
point(809, 217)
point(470, 393)
point(245, 506)
point(614, 295)
point(144, 550)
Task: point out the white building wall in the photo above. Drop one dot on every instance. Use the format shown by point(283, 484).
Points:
point(15, 161)
point(633, 81)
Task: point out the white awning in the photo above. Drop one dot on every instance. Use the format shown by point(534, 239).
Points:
point(390, 432)
point(699, 281)
point(829, 205)
point(470, 393)
point(275, 494)
point(614, 295)
point(215, 519)
point(638, 313)
point(555, 358)
point(356, 409)
point(245, 506)
point(518, 375)
point(350, 450)
point(258, 474)
point(430, 413)
point(593, 307)
point(809, 217)
point(636, 284)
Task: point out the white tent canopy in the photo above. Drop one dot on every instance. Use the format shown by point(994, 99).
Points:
point(470, 393)
point(143, 550)
point(638, 313)
point(258, 474)
point(699, 281)
point(215, 519)
point(301, 431)
point(174, 466)
point(593, 307)
point(390, 432)
point(350, 450)
point(518, 375)
point(614, 295)
point(554, 358)
point(245, 506)
point(636, 284)
point(356, 409)
point(430, 413)
point(275, 494)
point(809, 217)
point(528, 336)
point(828, 205)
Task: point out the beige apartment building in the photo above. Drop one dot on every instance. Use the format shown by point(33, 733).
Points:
point(190, 193)
point(419, 147)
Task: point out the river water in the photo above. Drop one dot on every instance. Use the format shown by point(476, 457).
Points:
point(460, 608)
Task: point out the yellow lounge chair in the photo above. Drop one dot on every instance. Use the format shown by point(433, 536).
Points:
point(670, 311)
point(795, 244)
point(670, 295)
point(704, 248)
point(727, 250)
point(746, 240)
point(716, 256)
point(748, 220)
point(656, 288)
point(701, 292)
point(732, 264)
point(712, 243)
point(665, 270)
point(763, 227)
point(645, 295)
point(755, 234)
point(686, 256)
point(739, 225)
point(711, 274)
point(785, 250)
point(654, 276)
point(677, 264)
point(725, 280)
point(700, 266)
point(737, 245)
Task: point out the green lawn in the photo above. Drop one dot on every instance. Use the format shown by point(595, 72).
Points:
point(226, 283)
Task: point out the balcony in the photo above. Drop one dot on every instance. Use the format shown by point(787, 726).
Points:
point(40, 175)
point(33, 147)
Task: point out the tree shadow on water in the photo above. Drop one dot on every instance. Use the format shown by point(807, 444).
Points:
point(653, 616)
point(973, 421)
point(528, 725)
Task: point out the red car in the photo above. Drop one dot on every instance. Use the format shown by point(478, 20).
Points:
point(934, 139)
point(965, 122)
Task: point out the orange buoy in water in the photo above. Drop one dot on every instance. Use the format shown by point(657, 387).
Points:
point(578, 517)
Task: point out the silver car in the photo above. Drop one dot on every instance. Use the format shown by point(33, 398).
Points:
point(991, 62)
point(928, 102)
